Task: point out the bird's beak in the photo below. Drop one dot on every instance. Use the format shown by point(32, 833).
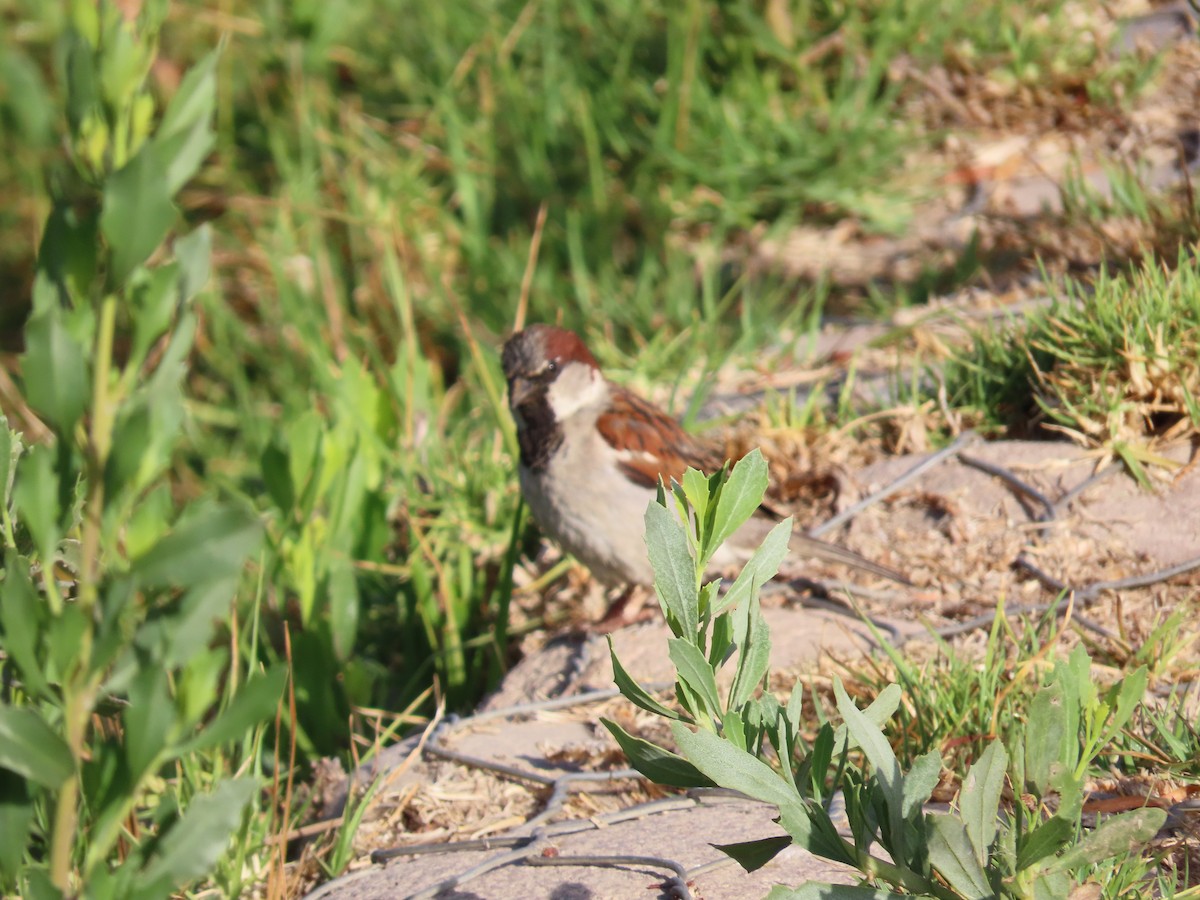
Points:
point(519, 390)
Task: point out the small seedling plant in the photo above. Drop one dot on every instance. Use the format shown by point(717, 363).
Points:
point(1015, 830)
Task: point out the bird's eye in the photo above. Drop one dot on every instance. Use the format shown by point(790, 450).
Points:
point(552, 367)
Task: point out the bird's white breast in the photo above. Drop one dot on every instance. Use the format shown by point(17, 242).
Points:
point(586, 503)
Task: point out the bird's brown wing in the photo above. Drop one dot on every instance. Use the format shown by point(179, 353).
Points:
point(650, 442)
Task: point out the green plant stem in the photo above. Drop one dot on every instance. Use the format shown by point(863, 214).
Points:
point(66, 810)
point(6, 523)
point(894, 874)
point(79, 688)
point(99, 445)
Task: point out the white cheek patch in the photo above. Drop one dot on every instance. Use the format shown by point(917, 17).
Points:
point(578, 387)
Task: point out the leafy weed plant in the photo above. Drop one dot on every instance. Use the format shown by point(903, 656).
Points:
point(739, 738)
point(116, 598)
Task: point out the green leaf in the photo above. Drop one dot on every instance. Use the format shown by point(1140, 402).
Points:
point(920, 781)
point(659, 765)
point(695, 672)
point(29, 747)
point(757, 710)
point(149, 719)
point(27, 98)
point(753, 855)
point(173, 364)
point(138, 212)
point(819, 759)
point(16, 817)
point(794, 715)
point(734, 728)
point(811, 828)
point(20, 611)
point(55, 372)
point(708, 598)
point(695, 489)
point(760, 568)
point(124, 61)
point(180, 155)
point(211, 545)
point(693, 707)
point(38, 886)
point(67, 253)
point(950, 852)
point(195, 99)
point(1051, 886)
point(769, 713)
point(754, 651)
point(154, 294)
point(305, 442)
point(1045, 840)
point(64, 633)
point(1123, 834)
point(149, 520)
point(633, 691)
point(674, 570)
point(721, 641)
point(194, 253)
point(277, 477)
point(1044, 738)
point(887, 768)
point(117, 598)
point(343, 607)
point(10, 450)
point(1075, 674)
point(252, 704)
point(194, 844)
point(1129, 692)
point(881, 709)
point(732, 768)
point(741, 496)
point(131, 435)
point(197, 686)
point(979, 799)
point(144, 437)
point(83, 91)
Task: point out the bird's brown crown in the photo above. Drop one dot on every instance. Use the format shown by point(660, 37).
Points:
point(528, 353)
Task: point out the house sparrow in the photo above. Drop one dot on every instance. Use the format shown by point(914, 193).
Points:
point(591, 456)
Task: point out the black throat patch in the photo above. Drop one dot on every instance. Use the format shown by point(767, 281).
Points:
point(538, 432)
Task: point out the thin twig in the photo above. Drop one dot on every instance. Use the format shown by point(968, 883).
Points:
point(562, 790)
point(1138, 581)
point(525, 848)
point(963, 440)
point(839, 607)
point(1009, 478)
point(465, 759)
point(1033, 609)
point(1070, 496)
point(522, 854)
point(1090, 592)
point(541, 705)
